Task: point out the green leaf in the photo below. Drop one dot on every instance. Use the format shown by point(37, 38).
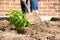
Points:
point(18, 19)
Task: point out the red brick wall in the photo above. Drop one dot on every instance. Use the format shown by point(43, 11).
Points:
point(49, 7)
point(46, 7)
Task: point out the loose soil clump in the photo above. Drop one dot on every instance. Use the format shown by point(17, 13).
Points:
point(42, 31)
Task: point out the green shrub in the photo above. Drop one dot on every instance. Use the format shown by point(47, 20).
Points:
point(18, 19)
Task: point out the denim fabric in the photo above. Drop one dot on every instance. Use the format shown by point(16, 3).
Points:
point(24, 10)
point(33, 6)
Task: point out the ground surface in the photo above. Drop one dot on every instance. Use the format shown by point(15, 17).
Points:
point(41, 31)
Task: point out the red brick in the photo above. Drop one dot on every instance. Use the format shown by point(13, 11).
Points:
point(45, 4)
point(17, 0)
point(43, 7)
point(58, 7)
point(47, 11)
point(53, 7)
point(1, 7)
point(9, 7)
point(43, 0)
point(46, 7)
point(1, 14)
point(59, 14)
point(53, 0)
point(10, 0)
point(58, 10)
point(17, 7)
point(52, 14)
point(1, 0)
point(2, 10)
point(7, 3)
point(56, 4)
point(15, 3)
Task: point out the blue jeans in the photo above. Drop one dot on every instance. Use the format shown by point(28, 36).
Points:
point(33, 6)
point(24, 10)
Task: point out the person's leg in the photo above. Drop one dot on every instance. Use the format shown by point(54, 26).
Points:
point(24, 10)
point(34, 5)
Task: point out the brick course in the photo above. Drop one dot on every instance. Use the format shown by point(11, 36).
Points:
point(46, 7)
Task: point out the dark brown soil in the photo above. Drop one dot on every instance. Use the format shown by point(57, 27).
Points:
point(41, 31)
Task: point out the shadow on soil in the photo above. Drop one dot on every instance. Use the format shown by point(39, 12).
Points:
point(18, 31)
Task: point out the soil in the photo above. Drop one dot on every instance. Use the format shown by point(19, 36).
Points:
point(41, 31)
